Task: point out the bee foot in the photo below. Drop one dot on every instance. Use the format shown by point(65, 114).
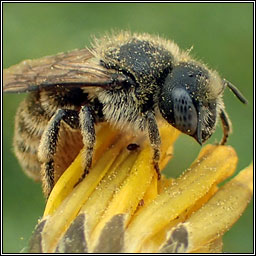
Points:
point(86, 172)
point(156, 166)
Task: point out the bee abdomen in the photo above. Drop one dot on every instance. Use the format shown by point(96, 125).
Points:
point(30, 123)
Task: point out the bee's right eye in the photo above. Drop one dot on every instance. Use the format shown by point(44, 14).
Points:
point(178, 109)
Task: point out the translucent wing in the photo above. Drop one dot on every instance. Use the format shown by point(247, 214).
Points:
point(76, 68)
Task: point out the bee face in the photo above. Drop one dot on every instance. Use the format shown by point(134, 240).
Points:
point(188, 102)
point(124, 80)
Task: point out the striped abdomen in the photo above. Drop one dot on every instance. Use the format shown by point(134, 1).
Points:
point(31, 121)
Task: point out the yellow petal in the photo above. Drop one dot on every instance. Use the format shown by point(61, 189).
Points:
point(214, 246)
point(214, 164)
point(127, 198)
point(164, 183)
point(70, 206)
point(221, 211)
point(179, 241)
point(98, 201)
point(155, 242)
point(70, 177)
point(151, 192)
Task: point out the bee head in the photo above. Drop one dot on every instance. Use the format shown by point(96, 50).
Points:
point(191, 100)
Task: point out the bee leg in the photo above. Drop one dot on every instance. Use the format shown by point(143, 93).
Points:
point(87, 120)
point(226, 126)
point(155, 140)
point(49, 142)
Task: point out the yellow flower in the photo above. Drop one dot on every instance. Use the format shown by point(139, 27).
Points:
point(121, 206)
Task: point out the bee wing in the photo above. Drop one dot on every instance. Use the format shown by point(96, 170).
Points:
point(76, 68)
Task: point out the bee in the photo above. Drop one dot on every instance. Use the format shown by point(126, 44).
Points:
point(129, 80)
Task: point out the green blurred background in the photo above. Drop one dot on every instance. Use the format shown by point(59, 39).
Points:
point(222, 36)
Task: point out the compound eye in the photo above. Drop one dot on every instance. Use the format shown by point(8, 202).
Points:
point(185, 114)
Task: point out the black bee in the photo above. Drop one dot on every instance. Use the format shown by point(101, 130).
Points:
point(129, 80)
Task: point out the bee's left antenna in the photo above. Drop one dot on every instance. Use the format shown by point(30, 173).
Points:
point(238, 94)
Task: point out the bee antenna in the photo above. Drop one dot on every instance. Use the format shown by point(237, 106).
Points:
point(238, 94)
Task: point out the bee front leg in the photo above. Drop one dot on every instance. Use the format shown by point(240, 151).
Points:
point(87, 120)
point(226, 126)
point(155, 140)
point(49, 142)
